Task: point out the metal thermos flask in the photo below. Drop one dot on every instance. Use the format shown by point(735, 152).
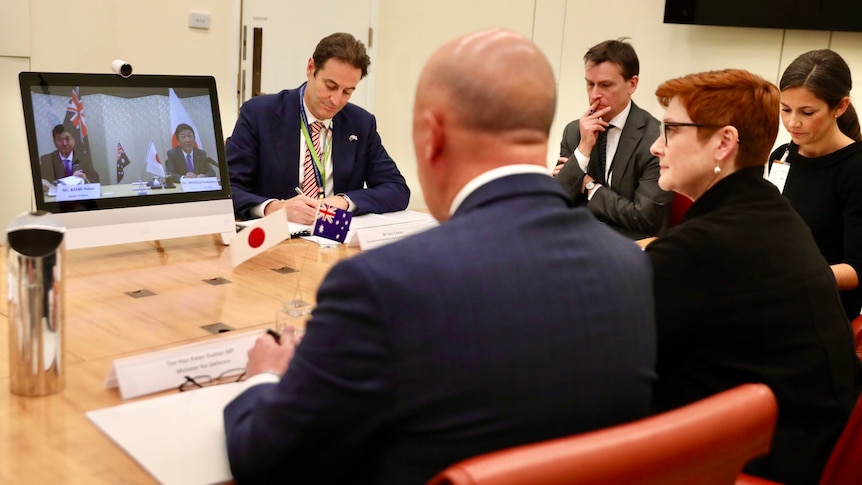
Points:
point(36, 304)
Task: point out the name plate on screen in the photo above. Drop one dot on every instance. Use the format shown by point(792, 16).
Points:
point(200, 184)
point(78, 192)
point(373, 237)
point(167, 369)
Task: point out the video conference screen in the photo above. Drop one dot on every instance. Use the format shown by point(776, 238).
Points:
point(102, 141)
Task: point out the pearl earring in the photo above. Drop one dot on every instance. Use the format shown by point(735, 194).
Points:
point(717, 170)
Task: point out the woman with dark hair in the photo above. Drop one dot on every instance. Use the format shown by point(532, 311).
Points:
point(821, 167)
point(741, 291)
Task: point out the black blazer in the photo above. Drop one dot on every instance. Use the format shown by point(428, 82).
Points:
point(176, 165)
point(743, 295)
point(635, 205)
point(263, 157)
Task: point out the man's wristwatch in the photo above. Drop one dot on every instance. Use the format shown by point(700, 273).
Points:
point(590, 186)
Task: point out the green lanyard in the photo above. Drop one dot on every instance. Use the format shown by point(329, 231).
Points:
point(320, 168)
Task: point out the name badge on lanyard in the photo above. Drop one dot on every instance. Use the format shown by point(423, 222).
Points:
point(779, 170)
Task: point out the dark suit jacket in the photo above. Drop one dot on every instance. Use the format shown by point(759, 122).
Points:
point(743, 295)
point(52, 168)
point(635, 205)
point(470, 337)
point(176, 164)
point(263, 156)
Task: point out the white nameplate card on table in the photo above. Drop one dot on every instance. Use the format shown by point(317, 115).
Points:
point(365, 222)
point(166, 369)
point(373, 237)
point(200, 184)
point(389, 220)
point(66, 193)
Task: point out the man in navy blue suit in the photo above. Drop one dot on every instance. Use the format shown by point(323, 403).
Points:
point(187, 160)
point(311, 138)
point(517, 319)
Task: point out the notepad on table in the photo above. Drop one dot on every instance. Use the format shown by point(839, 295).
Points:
point(179, 438)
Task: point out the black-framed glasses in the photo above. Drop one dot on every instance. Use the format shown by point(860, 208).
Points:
point(675, 124)
point(196, 382)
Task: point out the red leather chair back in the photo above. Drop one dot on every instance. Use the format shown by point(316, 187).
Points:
point(678, 208)
point(856, 324)
point(845, 462)
point(707, 442)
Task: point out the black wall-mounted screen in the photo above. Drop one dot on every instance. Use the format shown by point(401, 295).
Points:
point(830, 15)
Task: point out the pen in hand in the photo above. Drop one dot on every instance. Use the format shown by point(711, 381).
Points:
point(274, 334)
point(299, 192)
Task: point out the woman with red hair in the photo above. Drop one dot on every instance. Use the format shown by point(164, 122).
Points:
point(742, 293)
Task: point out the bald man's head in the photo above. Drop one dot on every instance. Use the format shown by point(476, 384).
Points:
point(483, 101)
point(491, 81)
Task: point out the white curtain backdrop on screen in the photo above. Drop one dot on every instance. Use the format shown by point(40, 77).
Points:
point(133, 122)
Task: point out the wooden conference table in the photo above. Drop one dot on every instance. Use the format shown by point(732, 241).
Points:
point(48, 439)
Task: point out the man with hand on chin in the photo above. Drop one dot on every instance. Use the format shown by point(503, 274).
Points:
point(313, 140)
point(605, 162)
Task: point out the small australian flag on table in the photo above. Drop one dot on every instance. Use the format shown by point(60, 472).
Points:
point(332, 223)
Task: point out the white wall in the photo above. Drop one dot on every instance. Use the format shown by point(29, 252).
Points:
point(153, 36)
point(85, 35)
point(565, 29)
point(15, 188)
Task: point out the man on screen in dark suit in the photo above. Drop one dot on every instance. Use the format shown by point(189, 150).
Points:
point(63, 162)
point(605, 162)
point(473, 336)
point(187, 160)
point(311, 138)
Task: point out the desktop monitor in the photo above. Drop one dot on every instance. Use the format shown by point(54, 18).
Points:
point(106, 160)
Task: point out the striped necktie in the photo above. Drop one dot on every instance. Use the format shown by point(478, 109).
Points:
point(309, 180)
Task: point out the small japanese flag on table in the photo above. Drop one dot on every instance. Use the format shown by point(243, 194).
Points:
point(258, 237)
point(332, 223)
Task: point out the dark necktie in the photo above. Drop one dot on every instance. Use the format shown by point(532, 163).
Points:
point(68, 164)
point(602, 142)
point(189, 164)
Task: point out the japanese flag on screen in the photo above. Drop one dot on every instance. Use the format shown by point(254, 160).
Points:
point(180, 115)
point(258, 237)
point(154, 164)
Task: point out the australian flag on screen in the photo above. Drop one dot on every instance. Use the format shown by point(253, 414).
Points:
point(122, 162)
point(332, 223)
point(76, 123)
